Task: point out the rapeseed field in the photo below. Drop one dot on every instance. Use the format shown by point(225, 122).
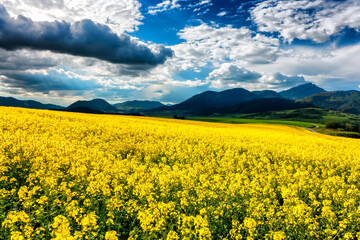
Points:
point(79, 176)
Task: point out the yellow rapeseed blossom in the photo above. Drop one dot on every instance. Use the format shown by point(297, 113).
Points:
point(15, 235)
point(89, 222)
point(82, 176)
point(279, 235)
point(61, 228)
point(172, 236)
point(111, 235)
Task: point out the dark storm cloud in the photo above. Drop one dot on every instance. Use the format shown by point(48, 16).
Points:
point(20, 61)
point(53, 80)
point(84, 38)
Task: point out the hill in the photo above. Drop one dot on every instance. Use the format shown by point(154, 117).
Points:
point(301, 91)
point(13, 102)
point(137, 106)
point(314, 115)
point(259, 105)
point(211, 99)
point(96, 104)
point(267, 94)
point(343, 101)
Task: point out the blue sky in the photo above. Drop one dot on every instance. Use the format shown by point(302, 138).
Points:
point(59, 51)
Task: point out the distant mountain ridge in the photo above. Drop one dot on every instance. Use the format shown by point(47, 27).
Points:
point(267, 94)
point(13, 102)
point(342, 101)
point(231, 101)
point(137, 105)
point(228, 99)
point(95, 104)
point(212, 99)
point(260, 105)
point(301, 91)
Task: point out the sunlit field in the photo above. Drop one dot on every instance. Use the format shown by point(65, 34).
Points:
point(78, 176)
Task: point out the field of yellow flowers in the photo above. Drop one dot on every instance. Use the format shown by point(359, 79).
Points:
point(80, 176)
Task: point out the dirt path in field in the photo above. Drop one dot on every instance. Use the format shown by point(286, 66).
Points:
point(313, 130)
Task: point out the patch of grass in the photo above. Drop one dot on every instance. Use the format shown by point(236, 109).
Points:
point(313, 115)
point(338, 133)
point(242, 121)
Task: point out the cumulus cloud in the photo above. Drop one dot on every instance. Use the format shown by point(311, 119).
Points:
point(315, 20)
point(205, 45)
point(281, 81)
point(119, 15)
point(84, 38)
point(230, 75)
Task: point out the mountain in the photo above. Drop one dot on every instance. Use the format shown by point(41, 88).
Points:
point(13, 102)
point(93, 105)
point(137, 106)
point(267, 94)
point(301, 91)
point(260, 105)
point(211, 99)
point(342, 101)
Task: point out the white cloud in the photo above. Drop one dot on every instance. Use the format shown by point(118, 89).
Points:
point(202, 5)
point(315, 20)
point(230, 75)
point(202, 12)
point(280, 81)
point(164, 6)
point(220, 14)
point(203, 2)
point(331, 68)
point(214, 45)
point(119, 15)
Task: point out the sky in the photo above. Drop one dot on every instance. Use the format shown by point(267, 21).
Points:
point(60, 51)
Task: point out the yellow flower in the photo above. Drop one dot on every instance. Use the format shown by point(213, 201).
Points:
point(348, 236)
point(111, 235)
point(280, 235)
point(250, 223)
point(89, 222)
point(16, 235)
point(61, 228)
point(172, 236)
